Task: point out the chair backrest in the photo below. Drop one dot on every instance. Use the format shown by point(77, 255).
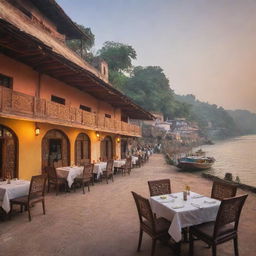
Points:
point(51, 172)
point(144, 210)
point(128, 162)
point(88, 169)
point(159, 187)
point(57, 164)
point(109, 168)
point(229, 212)
point(222, 189)
point(84, 161)
point(37, 185)
point(139, 159)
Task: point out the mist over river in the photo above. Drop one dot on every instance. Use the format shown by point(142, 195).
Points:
point(237, 156)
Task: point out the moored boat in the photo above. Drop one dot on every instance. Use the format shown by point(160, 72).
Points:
point(195, 162)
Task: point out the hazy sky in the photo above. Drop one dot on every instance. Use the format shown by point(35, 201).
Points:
point(206, 47)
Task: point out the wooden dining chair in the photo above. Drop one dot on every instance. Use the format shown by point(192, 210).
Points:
point(84, 179)
point(90, 168)
point(222, 189)
point(159, 187)
point(139, 161)
point(157, 229)
point(127, 167)
point(36, 195)
point(108, 173)
point(53, 179)
point(221, 230)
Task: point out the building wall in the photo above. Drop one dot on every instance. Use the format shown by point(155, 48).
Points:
point(30, 149)
point(26, 80)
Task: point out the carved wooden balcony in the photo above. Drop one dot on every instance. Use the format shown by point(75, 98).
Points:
point(19, 105)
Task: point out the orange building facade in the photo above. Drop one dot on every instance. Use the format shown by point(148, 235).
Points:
point(54, 107)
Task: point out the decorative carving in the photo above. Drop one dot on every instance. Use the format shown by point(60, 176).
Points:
point(64, 112)
point(79, 114)
point(72, 114)
point(7, 99)
point(20, 104)
point(52, 109)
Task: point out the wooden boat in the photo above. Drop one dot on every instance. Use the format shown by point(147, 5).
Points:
point(195, 162)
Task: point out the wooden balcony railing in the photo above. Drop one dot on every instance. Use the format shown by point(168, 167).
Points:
point(16, 104)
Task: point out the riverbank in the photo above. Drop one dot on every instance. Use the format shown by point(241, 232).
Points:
point(104, 222)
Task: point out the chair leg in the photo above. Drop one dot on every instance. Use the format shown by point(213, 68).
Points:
point(88, 185)
point(140, 239)
point(43, 204)
point(112, 176)
point(185, 234)
point(214, 250)
point(57, 188)
point(191, 244)
point(153, 247)
point(10, 212)
point(29, 214)
point(83, 187)
point(236, 246)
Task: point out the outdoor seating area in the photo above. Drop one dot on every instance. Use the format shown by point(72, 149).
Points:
point(212, 220)
point(61, 179)
point(75, 215)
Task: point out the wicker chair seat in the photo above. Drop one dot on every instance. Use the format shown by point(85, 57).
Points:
point(24, 199)
point(161, 225)
point(82, 178)
point(207, 229)
point(58, 180)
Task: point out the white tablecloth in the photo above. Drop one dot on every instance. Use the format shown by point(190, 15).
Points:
point(69, 173)
point(10, 191)
point(186, 216)
point(119, 163)
point(134, 159)
point(99, 168)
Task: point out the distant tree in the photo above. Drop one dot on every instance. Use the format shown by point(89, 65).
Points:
point(149, 87)
point(83, 47)
point(118, 56)
point(118, 79)
point(203, 113)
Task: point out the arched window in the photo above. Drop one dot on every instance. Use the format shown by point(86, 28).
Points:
point(55, 149)
point(8, 153)
point(106, 149)
point(82, 149)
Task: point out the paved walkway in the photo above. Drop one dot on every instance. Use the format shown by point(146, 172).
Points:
point(104, 222)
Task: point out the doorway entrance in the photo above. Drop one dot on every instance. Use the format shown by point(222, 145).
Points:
point(55, 149)
point(8, 153)
point(83, 149)
point(106, 149)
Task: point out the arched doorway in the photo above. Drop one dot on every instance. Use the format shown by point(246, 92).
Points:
point(123, 148)
point(8, 153)
point(55, 148)
point(82, 149)
point(106, 149)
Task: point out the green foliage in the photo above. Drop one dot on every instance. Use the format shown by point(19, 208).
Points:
point(118, 79)
point(209, 116)
point(149, 88)
point(82, 47)
point(118, 56)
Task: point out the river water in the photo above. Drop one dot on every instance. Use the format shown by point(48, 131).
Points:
point(237, 156)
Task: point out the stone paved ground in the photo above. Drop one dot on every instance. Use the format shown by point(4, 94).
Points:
point(104, 222)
